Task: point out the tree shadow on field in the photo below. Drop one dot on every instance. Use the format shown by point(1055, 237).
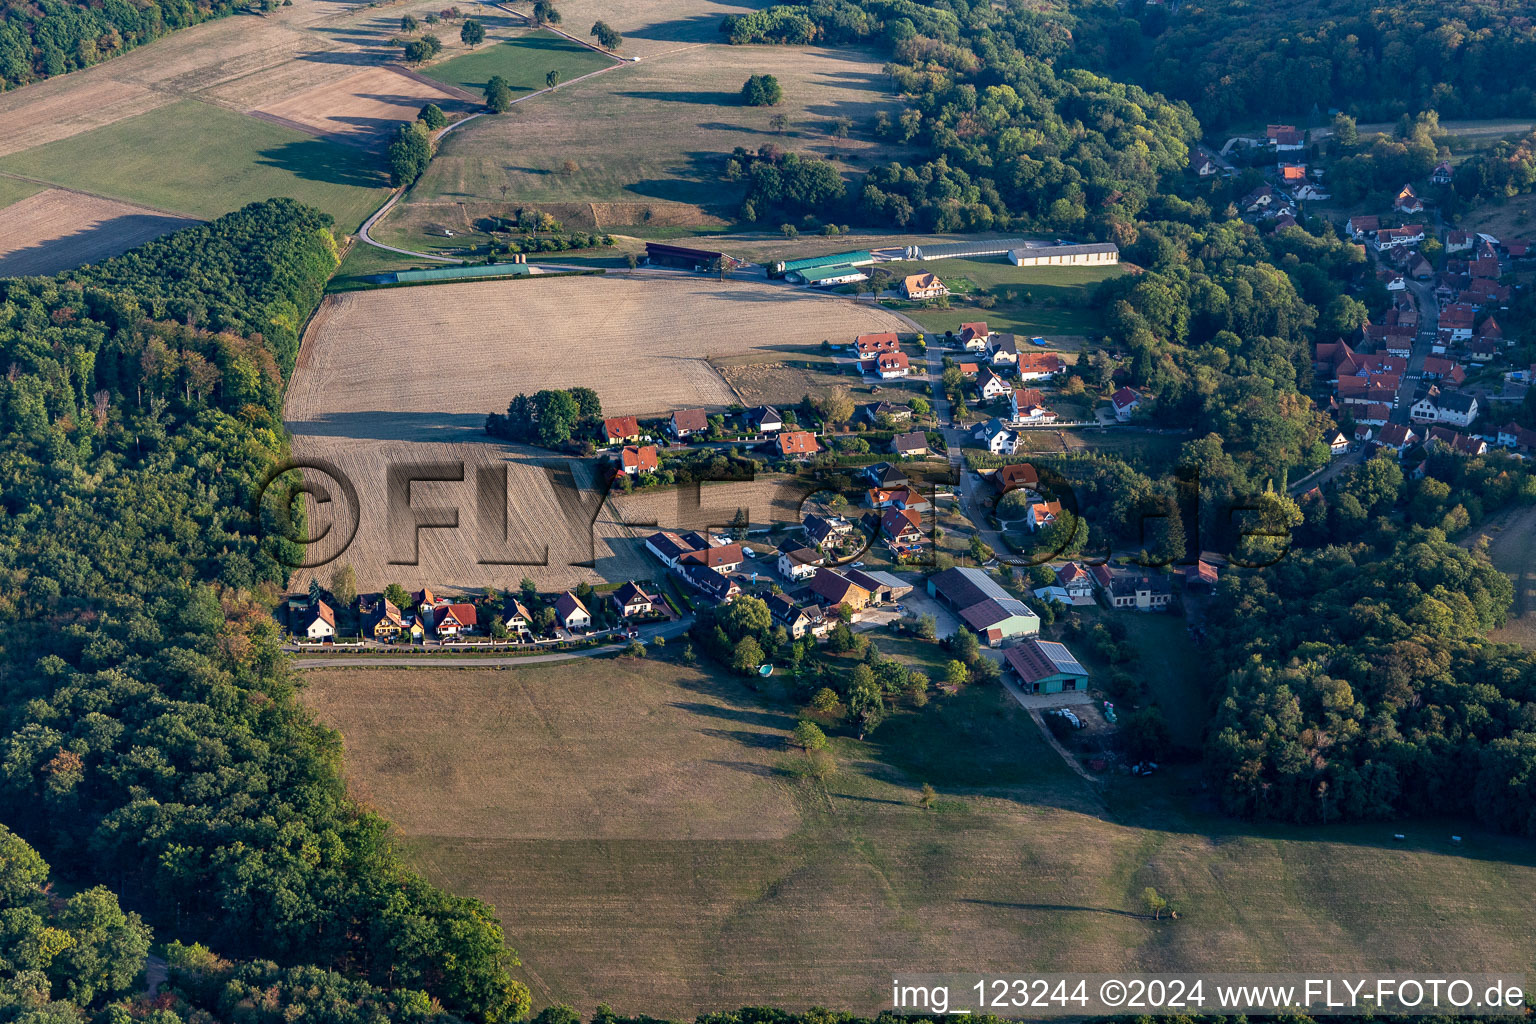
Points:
point(696, 28)
point(318, 160)
point(88, 244)
point(710, 99)
point(393, 425)
point(754, 740)
point(747, 716)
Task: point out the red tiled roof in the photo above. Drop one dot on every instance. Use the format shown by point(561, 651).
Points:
point(798, 442)
point(621, 426)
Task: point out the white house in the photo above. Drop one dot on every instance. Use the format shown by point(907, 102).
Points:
point(991, 386)
point(997, 437)
point(1003, 349)
point(799, 563)
point(571, 613)
point(1125, 401)
point(321, 624)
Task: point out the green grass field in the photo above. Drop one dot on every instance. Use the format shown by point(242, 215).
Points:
point(633, 827)
point(523, 61)
point(14, 190)
point(202, 160)
point(1051, 301)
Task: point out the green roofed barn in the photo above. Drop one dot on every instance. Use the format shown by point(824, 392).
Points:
point(796, 268)
point(827, 277)
point(1045, 666)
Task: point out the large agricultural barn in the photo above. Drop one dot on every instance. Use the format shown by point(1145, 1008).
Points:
point(661, 254)
point(1097, 254)
point(1021, 252)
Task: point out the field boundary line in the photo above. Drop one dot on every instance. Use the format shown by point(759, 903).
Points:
point(111, 199)
point(528, 20)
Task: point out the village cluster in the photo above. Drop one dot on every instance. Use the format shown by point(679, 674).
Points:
point(1438, 361)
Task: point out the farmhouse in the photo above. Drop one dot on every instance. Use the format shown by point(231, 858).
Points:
point(983, 605)
point(630, 600)
point(687, 422)
point(633, 461)
point(923, 286)
point(834, 590)
point(618, 429)
point(1095, 254)
point(1044, 666)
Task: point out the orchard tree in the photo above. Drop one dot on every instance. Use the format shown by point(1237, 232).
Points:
point(471, 33)
point(607, 37)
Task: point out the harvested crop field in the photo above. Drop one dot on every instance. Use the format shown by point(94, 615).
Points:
point(409, 374)
point(657, 133)
point(546, 521)
point(402, 362)
point(365, 108)
point(632, 826)
point(56, 229)
point(771, 499)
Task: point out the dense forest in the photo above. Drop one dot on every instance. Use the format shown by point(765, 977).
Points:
point(52, 37)
point(1240, 61)
point(1359, 680)
point(1020, 133)
point(150, 738)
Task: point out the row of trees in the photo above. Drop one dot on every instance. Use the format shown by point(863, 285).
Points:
point(149, 731)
